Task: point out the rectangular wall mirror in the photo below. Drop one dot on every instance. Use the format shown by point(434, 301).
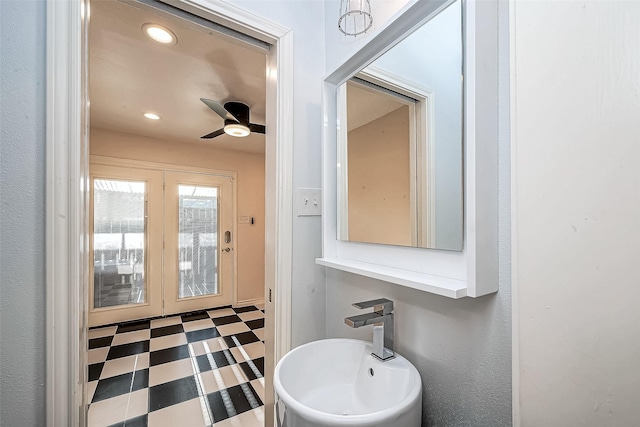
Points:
point(410, 153)
point(400, 142)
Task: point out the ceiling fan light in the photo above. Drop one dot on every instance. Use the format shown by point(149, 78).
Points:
point(159, 34)
point(236, 129)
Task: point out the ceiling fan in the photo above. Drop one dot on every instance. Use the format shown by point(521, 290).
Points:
point(236, 119)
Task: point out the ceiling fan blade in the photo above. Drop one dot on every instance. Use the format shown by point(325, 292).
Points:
point(254, 128)
point(213, 134)
point(219, 109)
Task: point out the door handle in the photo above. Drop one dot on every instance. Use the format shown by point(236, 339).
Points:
point(226, 250)
point(227, 237)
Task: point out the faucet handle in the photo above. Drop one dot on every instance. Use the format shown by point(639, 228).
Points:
point(380, 305)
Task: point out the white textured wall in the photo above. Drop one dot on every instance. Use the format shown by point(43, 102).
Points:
point(343, 46)
point(22, 198)
point(462, 348)
point(576, 213)
point(305, 18)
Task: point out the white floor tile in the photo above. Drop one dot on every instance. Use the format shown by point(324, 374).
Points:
point(197, 325)
point(97, 355)
point(129, 337)
point(248, 351)
point(119, 408)
point(123, 365)
point(251, 315)
point(188, 413)
point(170, 371)
point(167, 321)
point(253, 418)
point(232, 328)
point(102, 332)
point(219, 379)
point(221, 312)
point(167, 341)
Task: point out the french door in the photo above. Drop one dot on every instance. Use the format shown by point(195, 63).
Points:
point(198, 251)
point(162, 243)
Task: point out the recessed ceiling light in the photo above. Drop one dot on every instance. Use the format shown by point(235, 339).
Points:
point(152, 116)
point(159, 34)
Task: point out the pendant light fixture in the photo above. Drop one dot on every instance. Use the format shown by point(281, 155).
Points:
point(355, 17)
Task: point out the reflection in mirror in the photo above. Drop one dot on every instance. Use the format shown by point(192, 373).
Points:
point(400, 142)
point(381, 197)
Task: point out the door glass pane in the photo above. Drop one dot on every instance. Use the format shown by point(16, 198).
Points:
point(118, 242)
point(198, 241)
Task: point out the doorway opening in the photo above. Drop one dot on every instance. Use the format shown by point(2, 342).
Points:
point(163, 230)
point(70, 162)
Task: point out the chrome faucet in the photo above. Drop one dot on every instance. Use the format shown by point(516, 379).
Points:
point(382, 319)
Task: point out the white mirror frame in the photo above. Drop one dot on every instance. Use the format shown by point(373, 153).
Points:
point(473, 272)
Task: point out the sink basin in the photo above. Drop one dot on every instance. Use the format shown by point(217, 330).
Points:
point(338, 382)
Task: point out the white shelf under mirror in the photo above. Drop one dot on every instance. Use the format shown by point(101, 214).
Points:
point(472, 272)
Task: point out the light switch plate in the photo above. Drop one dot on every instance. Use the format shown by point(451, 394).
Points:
point(309, 201)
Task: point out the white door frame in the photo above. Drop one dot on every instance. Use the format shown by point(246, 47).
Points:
point(67, 196)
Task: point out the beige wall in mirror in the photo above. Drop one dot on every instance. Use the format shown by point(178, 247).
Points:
point(400, 142)
point(380, 194)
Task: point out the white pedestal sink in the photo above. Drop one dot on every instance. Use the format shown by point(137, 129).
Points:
point(337, 382)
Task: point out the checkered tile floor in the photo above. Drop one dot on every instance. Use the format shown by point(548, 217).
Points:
point(203, 369)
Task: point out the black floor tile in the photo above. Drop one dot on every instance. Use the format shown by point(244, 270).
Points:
point(242, 398)
point(166, 330)
point(225, 320)
point(172, 393)
point(220, 359)
point(140, 379)
point(194, 316)
point(111, 387)
point(121, 384)
point(100, 342)
point(255, 324)
point(243, 338)
point(245, 309)
point(134, 326)
point(202, 334)
point(259, 363)
point(128, 349)
point(140, 421)
point(218, 409)
point(168, 355)
point(94, 371)
point(248, 369)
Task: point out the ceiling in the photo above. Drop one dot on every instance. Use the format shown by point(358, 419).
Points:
point(129, 74)
point(366, 104)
